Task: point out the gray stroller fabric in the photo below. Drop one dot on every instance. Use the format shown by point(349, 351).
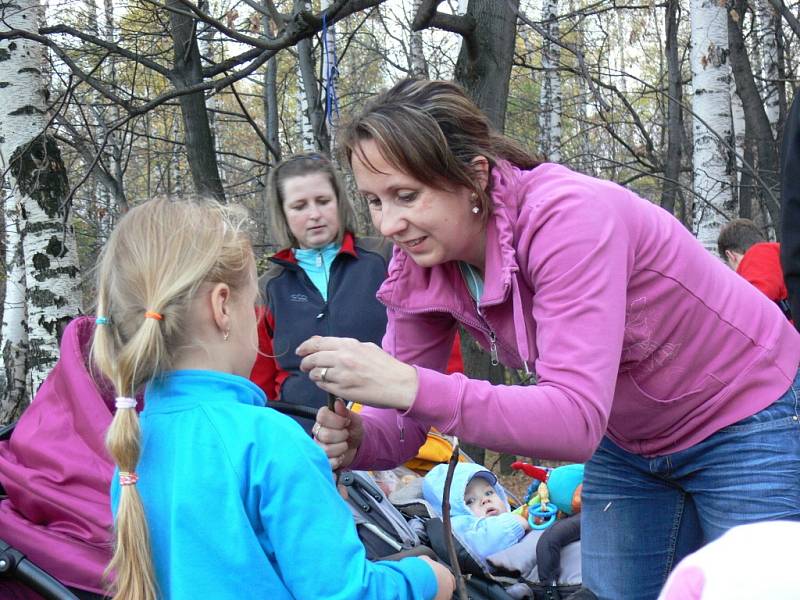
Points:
point(521, 558)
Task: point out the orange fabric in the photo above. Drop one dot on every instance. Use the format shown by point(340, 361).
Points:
point(761, 266)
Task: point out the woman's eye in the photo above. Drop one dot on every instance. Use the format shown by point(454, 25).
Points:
point(373, 202)
point(407, 197)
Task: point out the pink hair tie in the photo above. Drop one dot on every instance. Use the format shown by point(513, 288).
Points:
point(126, 478)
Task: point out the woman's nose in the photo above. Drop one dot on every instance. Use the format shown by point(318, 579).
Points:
point(389, 222)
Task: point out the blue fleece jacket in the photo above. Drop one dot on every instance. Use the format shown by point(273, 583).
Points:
point(241, 503)
point(485, 535)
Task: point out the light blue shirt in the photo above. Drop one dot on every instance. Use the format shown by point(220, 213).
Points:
point(240, 502)
point(316, 262)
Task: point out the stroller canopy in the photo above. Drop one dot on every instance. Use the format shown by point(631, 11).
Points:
point(56, 471)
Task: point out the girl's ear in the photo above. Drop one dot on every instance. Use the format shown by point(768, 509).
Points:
point(221, 306)
point(480, 169)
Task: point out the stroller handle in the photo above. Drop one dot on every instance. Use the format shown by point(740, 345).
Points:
point(14, 566)
point(293, 410)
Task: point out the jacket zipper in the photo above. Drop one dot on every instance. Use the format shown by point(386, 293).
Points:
point(492, 337)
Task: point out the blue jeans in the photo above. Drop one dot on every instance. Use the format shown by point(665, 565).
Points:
point(641, 515)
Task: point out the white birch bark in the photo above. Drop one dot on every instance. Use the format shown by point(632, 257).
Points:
point(550, 99)
point(738, 128)
point(37, 179)
point(176, 175)
point(712, 123)
point(768, 49)
point(419, 66)
point(15, 336)
point(303, 120)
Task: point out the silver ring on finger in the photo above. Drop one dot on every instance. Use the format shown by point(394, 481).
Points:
point(315, 429)
point(323, 374)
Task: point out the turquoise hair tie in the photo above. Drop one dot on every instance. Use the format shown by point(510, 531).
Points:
point(101, 320)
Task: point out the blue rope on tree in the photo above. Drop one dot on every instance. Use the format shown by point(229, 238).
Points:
point(331, 74)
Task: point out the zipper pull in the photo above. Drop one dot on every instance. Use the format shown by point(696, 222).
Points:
point(319, 259)
point(493, 349)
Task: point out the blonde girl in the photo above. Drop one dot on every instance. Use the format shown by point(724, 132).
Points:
point(216, 496)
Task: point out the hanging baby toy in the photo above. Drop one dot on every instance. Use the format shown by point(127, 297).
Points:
point(553, 493)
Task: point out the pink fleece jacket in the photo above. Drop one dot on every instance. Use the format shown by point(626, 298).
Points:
point(633, 329)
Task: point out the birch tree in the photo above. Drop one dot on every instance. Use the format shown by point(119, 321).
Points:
point(712, 124)
point(768, 28)
point(550, 116)
point(419, 66)
point(36, 212)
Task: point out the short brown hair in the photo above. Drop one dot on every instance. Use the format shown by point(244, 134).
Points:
point(738, 236)
point(299, 165)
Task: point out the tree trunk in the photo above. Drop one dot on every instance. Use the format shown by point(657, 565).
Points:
point(484, 62)
point(768, 29)
point(13, 391)
point(315, 136)
point(187, 71)
point(484, 70)
point(329, 107)
point(711, 104)
point(38, 184)
point(550, 104)
point(674, 153)
point(313, 112)
point(758, 125)
point(419, 66)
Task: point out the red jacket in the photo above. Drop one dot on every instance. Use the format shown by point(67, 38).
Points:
point(761, 266)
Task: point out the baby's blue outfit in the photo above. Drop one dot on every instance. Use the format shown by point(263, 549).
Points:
point(483, 535)
point(240, 502)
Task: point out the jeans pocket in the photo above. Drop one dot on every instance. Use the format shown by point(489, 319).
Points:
point(783, 412)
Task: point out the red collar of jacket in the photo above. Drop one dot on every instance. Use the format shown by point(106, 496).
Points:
point(348, 247)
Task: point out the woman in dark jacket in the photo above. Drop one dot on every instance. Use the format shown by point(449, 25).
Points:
point(322, 283)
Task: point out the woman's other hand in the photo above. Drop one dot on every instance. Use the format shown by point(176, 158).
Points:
point(359, 371)
point(445, 582)
point(339, 434)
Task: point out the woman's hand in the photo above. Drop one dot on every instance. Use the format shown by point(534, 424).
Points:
point(358, 371)
point(445, 582)
point(339, 433)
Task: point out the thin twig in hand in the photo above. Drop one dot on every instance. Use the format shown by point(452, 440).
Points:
point(448, 529)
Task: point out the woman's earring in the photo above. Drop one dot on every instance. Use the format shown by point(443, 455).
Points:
point(475, 208)
point(225, 335)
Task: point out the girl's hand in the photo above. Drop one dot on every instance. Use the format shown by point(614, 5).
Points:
point(339, 433)
point(445, 582)
point(358, 371)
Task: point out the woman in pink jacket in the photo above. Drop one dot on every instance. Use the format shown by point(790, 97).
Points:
point(671, 375)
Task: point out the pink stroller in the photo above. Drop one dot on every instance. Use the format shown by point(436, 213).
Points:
point(54, 481)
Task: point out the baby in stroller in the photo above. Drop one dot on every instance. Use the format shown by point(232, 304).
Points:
point(529, 542)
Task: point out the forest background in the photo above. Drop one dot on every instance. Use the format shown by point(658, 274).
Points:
point(106, 103)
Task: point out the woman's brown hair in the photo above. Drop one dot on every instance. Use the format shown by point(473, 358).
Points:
point(432, 131)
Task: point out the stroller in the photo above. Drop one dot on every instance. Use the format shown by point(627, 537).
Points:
point(54, 511)
point(395, 521)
